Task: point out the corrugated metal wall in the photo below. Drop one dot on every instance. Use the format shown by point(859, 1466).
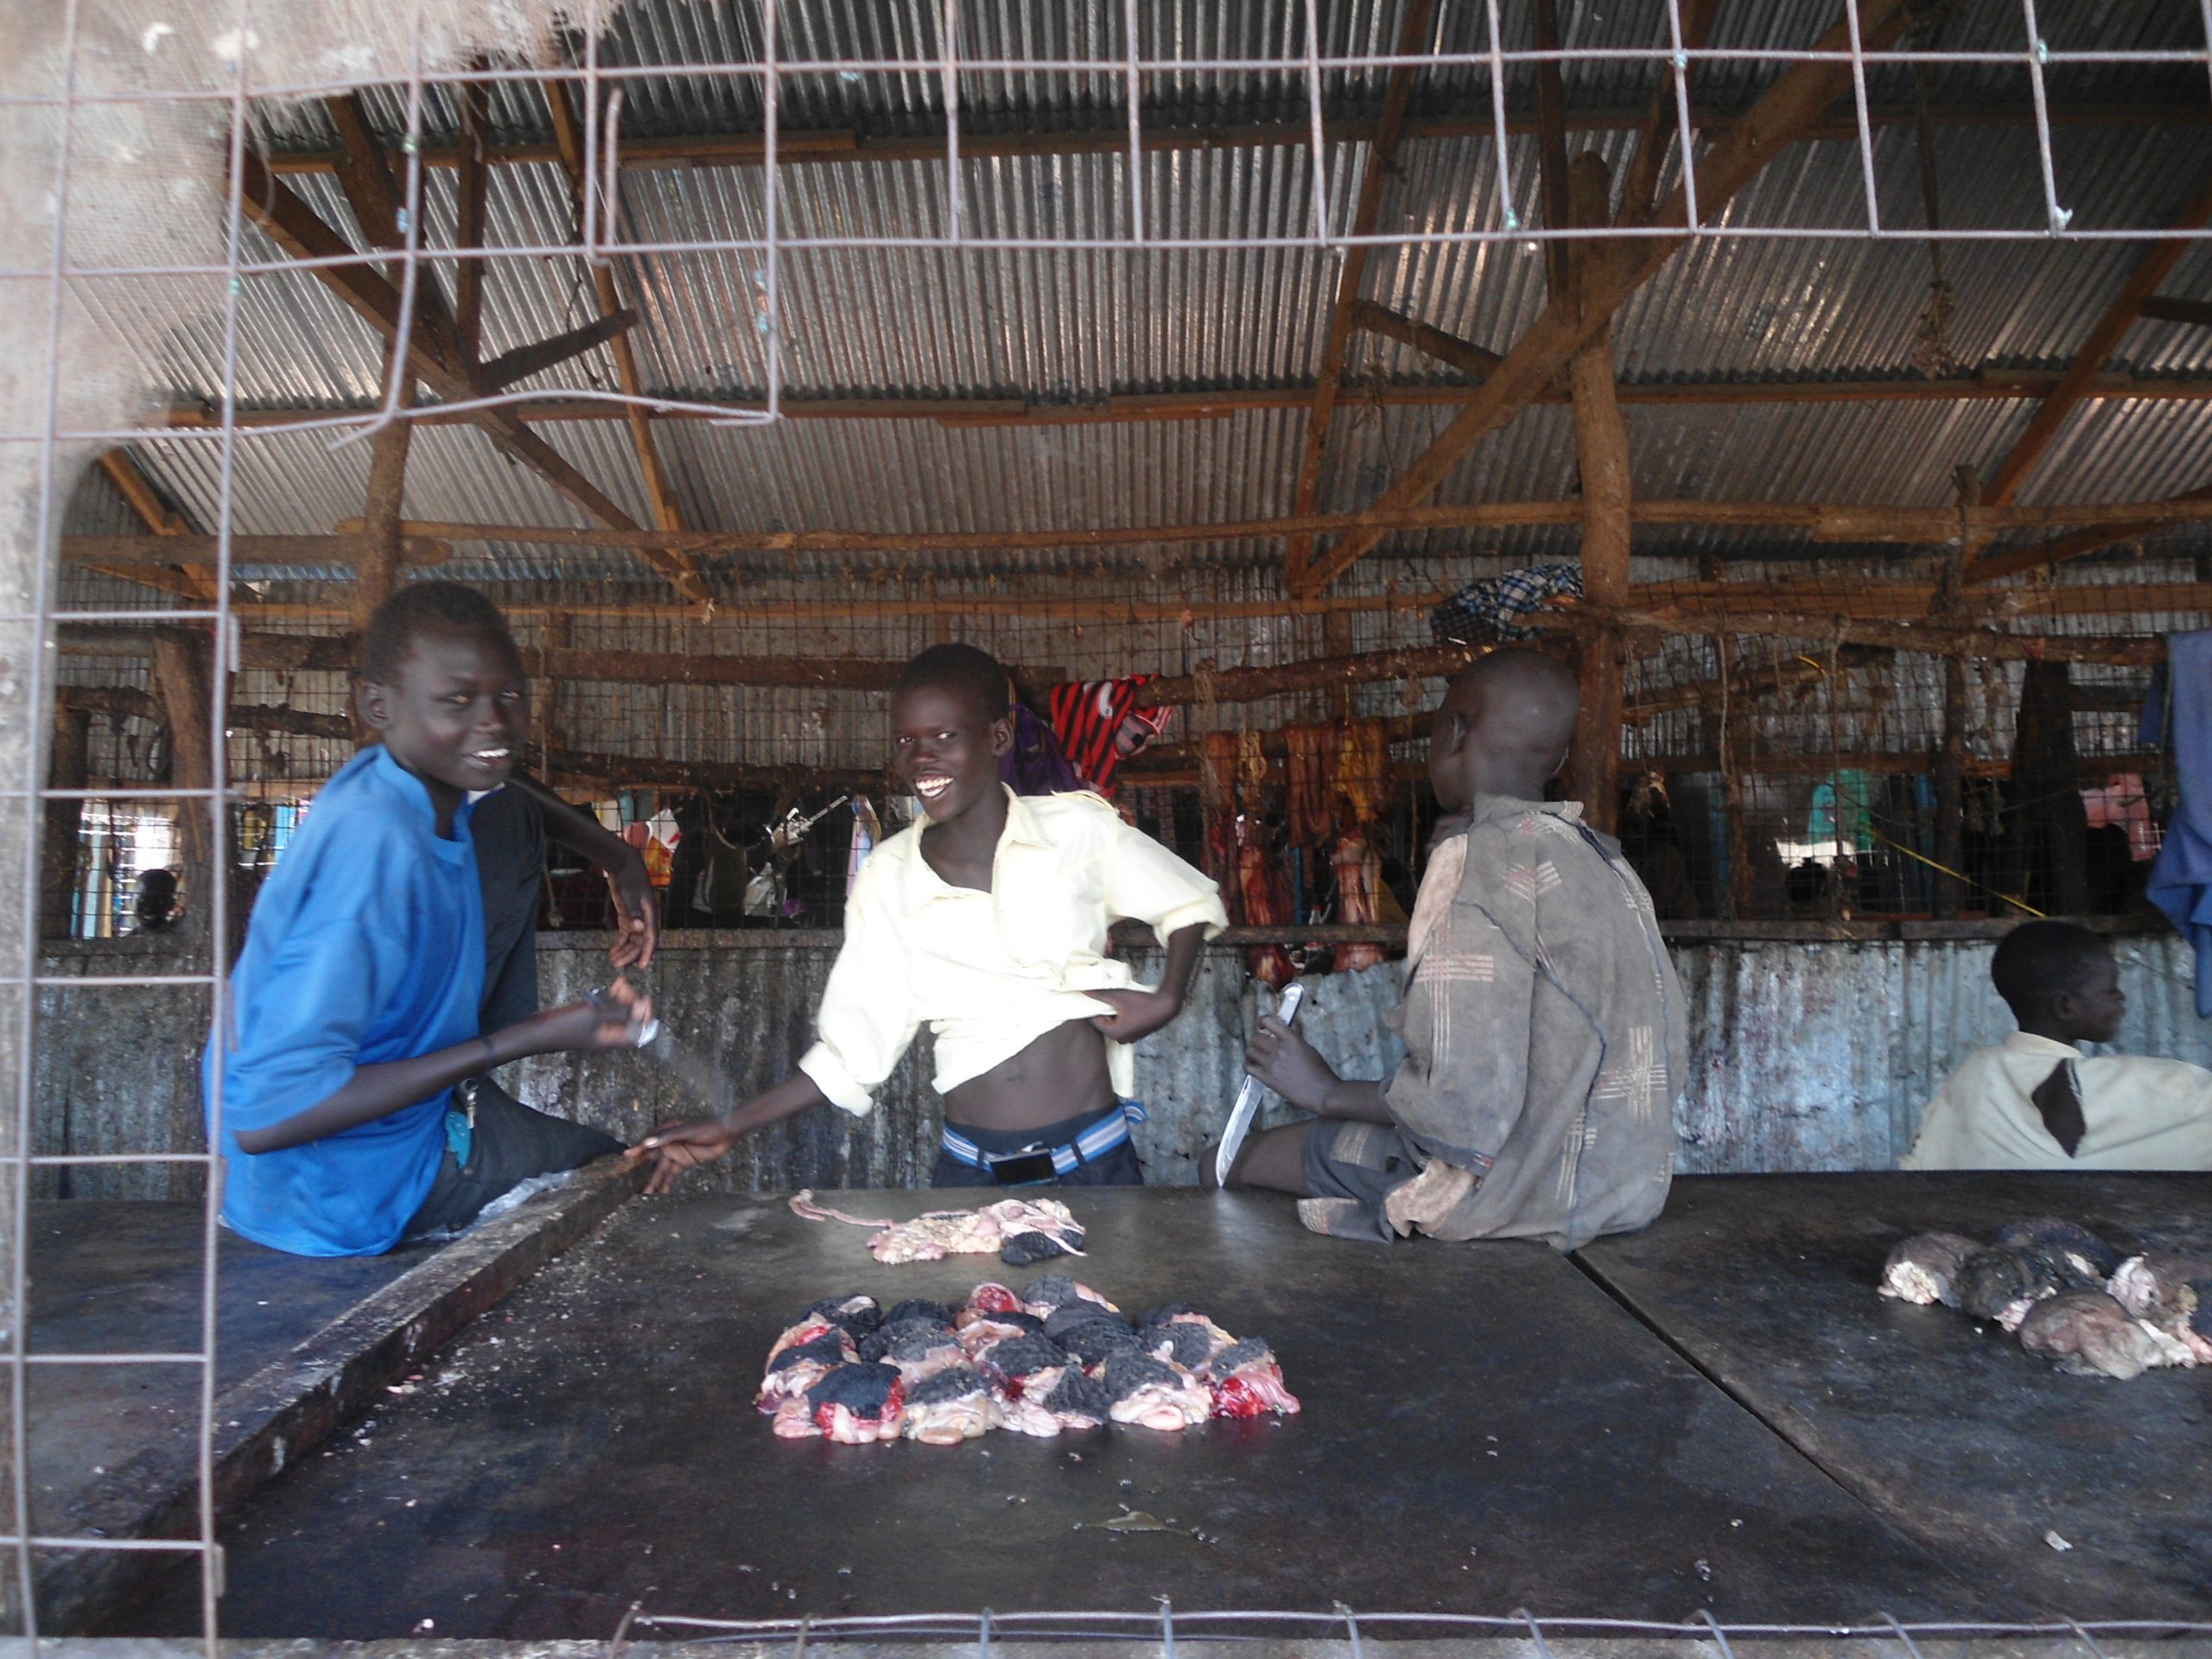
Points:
point(1804, 1056)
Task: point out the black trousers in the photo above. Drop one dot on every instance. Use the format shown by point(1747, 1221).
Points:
point(511, 1143)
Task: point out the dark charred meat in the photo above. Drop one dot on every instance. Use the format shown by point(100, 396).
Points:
point(1063, 1319)
point(937, 1312)
point(829, 1349)
point(1184, 1342)
point(1095, 1341)
point(2002, 1285)
point(857, 1404)
point(1022, 1357)
point(878, 1342)
point(1924, 1268)
point(1078, 1401)
point(1246, 1380)
point(2074, 1256)
point(858, 1314)
point(2086, 1333)
point(1027, 1249)
point(1055, 1290)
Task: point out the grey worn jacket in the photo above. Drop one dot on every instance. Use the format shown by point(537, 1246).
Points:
point(1544, 1035)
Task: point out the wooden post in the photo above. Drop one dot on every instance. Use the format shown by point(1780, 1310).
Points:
point(61, 855)
point(2047, 790)
point(382, 550)
point(1601, 450)
point(184, 676)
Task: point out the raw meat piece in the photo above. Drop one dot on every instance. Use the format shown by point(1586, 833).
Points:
point(1183, 1342)
point(1924, 1268)
point(799, 1367)
point(874, 1345)
point(950, 1407)
point(923, 1354)
point(1154, 1394)
point(1078, 1401)
point(1359, 883)
point(2086, 1333)
point(804, 1207)
point(857, 1404)
point(1265, 890)
point(1246, 1380)
point(979, 1334)
point(1041, 1296)
point(1023, 1370)
point(1021, 1229)
point(2076, 1257)
point(1026, 1249)
point(917, 1309)
point(987, 1298)
point(794, 1419)
point(2173, 1292)
point(2003, 1286)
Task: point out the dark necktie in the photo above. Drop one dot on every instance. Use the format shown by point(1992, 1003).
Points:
point(2058, 1097)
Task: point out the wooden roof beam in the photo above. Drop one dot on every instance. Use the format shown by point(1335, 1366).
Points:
point(1352, 270)
point(296, 228)
point(1660, 127)
point(1798, 98)
point(2155, 266)
point(2164, 307)
point(167, 576)
point(800, 147)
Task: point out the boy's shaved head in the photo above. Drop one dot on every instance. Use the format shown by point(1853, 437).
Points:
point(421, 607)
point(965, 668)
point(1503, 727)
point(2039, 962)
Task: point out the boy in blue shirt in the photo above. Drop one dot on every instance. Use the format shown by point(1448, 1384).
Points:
point(354, 1005)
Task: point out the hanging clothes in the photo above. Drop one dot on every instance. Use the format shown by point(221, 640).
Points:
point(1033, 763)
point(1100, 724)
point(2181, 881)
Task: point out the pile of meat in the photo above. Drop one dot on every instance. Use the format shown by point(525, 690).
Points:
point(1056, 1356)
point(2067, 1294)
point(1022, 1231)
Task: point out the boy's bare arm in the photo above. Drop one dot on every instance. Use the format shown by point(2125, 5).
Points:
point(636, 919)
point(1139, 1013)
point(1291, 1066)
point(675, 1147)
point(379, 1089)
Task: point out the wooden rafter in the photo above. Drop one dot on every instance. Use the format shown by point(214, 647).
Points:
point(1799, 96)
point(524, 361)
point(1842, 523)
point(798, 146)
point(300, 232)
point(2164, 307)
point(472, 193)
point(1219, 403)
point(1660, 127)
point(1352, 270)
point(2155, 266)
point(170, 576)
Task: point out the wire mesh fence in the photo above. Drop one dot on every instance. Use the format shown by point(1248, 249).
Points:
point(684, 287)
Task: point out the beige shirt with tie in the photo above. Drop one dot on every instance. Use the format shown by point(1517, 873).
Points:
point(2137, 1113)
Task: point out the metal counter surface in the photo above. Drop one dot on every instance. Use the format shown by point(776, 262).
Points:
point(1484, 1430)
point(1940, 1420)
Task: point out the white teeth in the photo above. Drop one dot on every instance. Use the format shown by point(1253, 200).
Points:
point(490, 754)
point(929, 788)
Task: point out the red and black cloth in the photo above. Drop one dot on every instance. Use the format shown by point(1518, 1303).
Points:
point(1100, 724)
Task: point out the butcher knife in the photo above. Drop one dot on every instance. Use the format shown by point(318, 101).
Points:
point(1248, 1093)
point(701, 1075)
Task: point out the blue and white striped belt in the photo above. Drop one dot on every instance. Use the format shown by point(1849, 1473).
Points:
point(1109, 1132)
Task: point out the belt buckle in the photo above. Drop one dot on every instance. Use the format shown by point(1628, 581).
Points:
point(1030, 1166)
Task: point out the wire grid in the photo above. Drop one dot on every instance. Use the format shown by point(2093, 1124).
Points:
point(1164, 1626)
point(1851, 709)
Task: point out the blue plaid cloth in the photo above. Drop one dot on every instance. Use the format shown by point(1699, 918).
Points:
point(1484, 611)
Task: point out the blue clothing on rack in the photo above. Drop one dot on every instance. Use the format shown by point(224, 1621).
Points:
point(2181, 881)
point(366, 945)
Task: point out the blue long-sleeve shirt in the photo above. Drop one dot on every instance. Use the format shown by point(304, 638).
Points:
point(366, 945)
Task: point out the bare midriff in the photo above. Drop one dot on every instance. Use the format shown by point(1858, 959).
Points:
point(1059, 1075)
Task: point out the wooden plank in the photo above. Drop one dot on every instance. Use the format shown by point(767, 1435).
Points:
point(1799, 96)
point(524, 361)
point(1601, 451)
point(1219, 403)
point(802, 146)
point(383, 549)
point(156, 514)
point(2161, 307)
point(471, 191)
point(2081, 543)
point(1352, 270)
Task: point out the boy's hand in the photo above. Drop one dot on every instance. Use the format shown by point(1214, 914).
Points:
point(637, 914)
point(1289, 1065)
point(1136, 1013)
point(675, 1147)
point(586, 1024)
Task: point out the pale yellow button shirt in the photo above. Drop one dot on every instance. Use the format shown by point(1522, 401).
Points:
point(992, 972)
point(2136, 1112)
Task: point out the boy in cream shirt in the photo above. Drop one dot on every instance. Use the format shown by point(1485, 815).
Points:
point(989, 921)
point(2037, 1102)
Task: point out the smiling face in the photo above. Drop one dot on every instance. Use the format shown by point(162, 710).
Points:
point(456, 713)
point(945, 748)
